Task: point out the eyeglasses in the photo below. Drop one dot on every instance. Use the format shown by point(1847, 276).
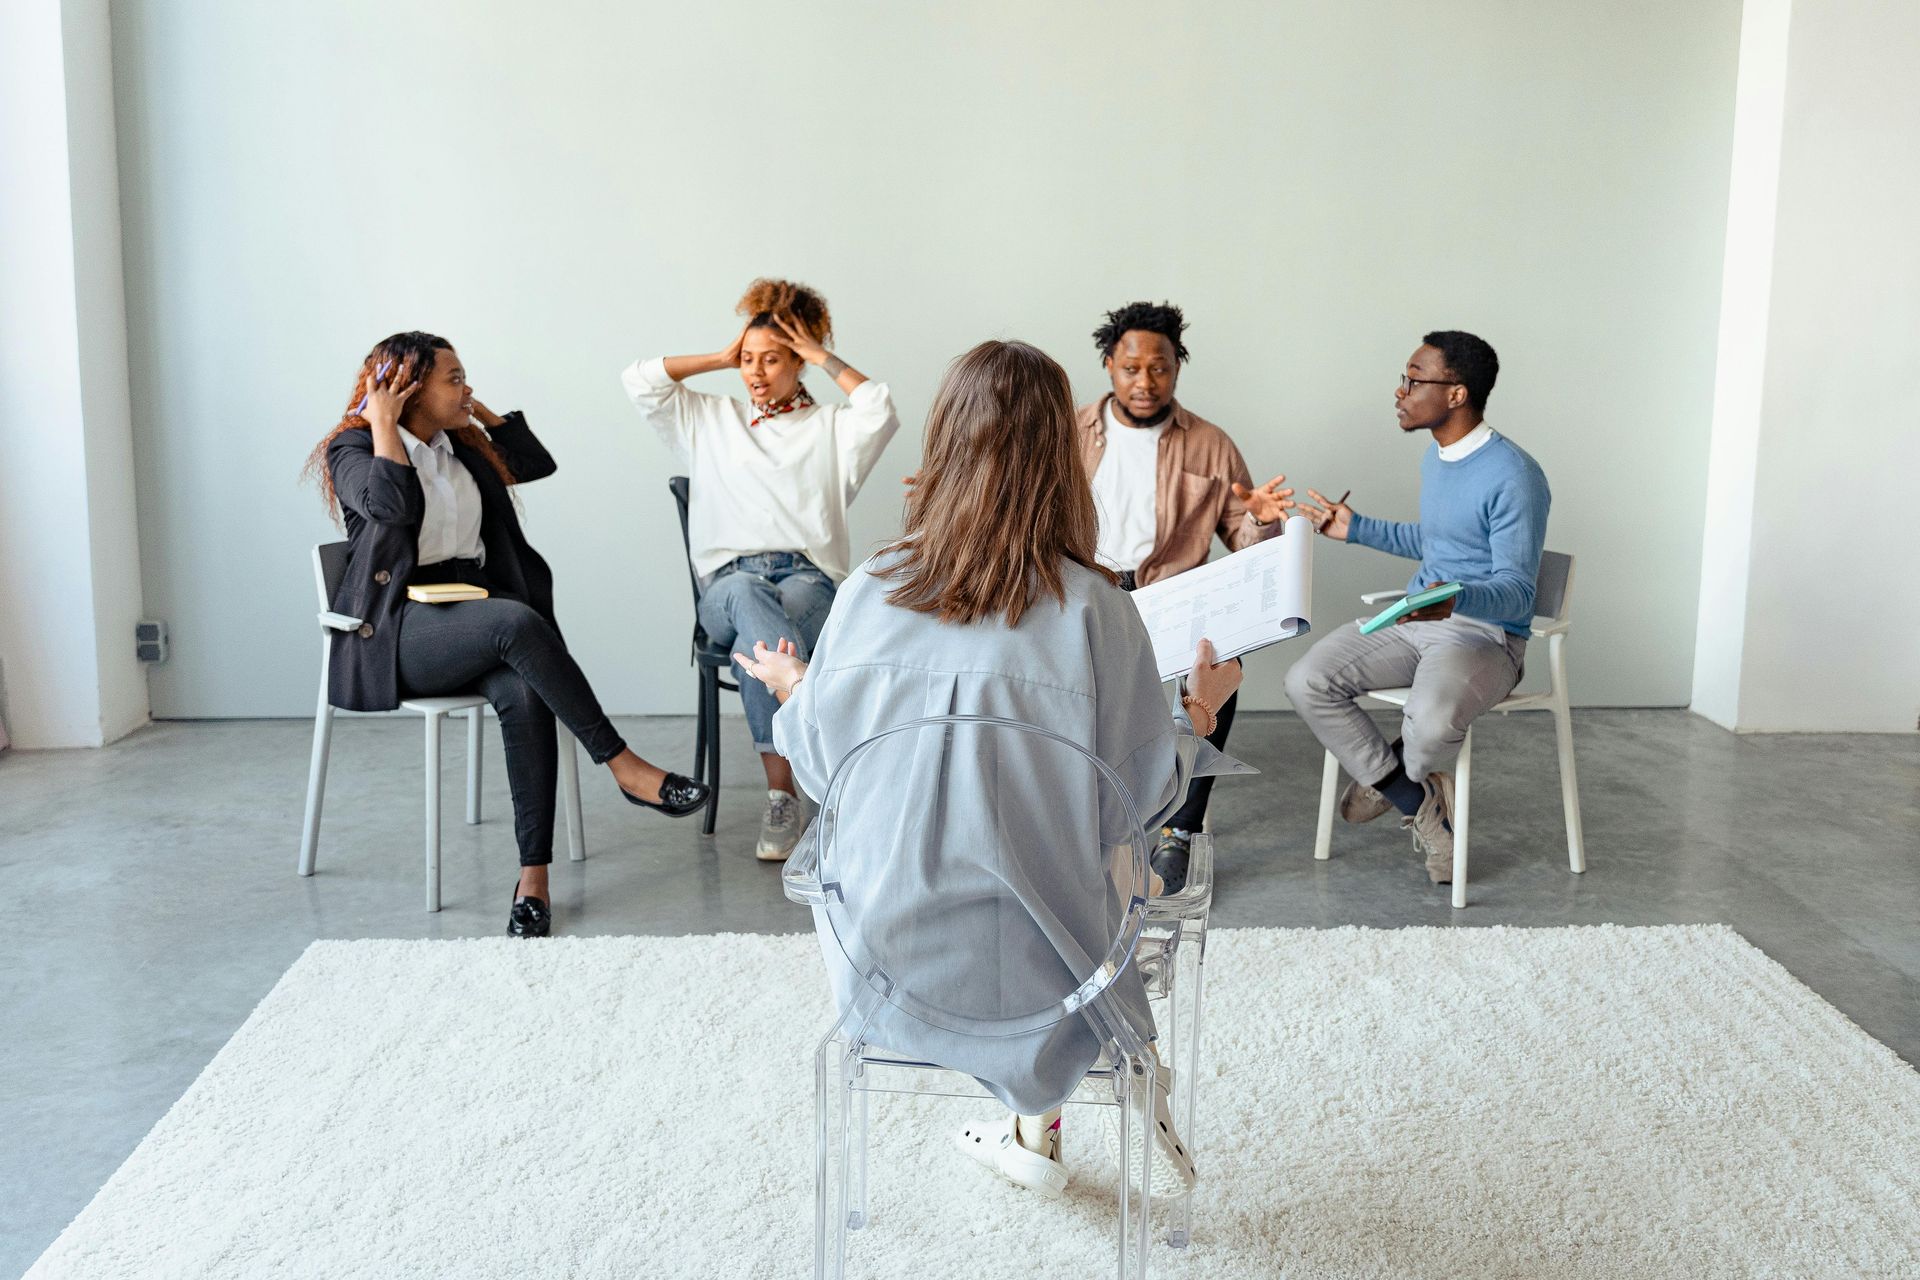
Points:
point(1407, 384)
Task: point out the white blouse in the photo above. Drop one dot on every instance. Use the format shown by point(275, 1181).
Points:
point(450, 529)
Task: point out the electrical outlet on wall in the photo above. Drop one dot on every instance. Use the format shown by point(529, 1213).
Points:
point(150, 641)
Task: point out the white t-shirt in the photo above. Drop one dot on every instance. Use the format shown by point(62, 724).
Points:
point(450, 524)
point(1468, 443)
point(1124, 488)
point(784, 485)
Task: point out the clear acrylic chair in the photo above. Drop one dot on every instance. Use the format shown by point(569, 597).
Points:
point(983, 886)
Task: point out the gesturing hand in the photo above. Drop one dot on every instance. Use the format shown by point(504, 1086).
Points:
point(1432, 613)
point(1268, 502)
point(778, 668)
point(383, 402)
point(1331, 518)
point(796, 337)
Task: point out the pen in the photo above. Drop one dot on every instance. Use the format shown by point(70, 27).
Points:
point(1343, 501)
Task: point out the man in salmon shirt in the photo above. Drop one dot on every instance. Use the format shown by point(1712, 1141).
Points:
point(1166, 482)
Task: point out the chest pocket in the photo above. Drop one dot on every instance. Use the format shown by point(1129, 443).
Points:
point(1198, 500)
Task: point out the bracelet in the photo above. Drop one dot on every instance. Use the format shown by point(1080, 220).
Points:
point(1213, 718)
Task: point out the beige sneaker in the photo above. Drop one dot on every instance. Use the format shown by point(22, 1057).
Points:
point(780, 827)
point(1361, 803)
point(1432, 832)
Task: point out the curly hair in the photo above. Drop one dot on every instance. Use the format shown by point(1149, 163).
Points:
point(412, 356)
point(766, 298)
point(1470, 359)
point(1162, 318)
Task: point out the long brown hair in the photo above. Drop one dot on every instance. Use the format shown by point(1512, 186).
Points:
point(1002, 498)
point(411, 356)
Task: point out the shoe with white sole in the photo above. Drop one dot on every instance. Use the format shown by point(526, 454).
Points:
point(993, 1145)
point(1173, 1170)
point(780, 827)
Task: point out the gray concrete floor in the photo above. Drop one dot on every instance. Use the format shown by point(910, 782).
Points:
point(152, 901)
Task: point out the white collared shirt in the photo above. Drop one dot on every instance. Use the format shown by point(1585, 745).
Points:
point(1466, 444)
point(450, 529)
point(1125, 487)
point(784, 485)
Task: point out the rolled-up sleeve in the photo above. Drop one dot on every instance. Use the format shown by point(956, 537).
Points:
point(862, 432)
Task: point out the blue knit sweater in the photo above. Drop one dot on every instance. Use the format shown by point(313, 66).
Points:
point(1483, 521)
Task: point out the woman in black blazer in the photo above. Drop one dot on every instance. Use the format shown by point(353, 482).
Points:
point(424, 493)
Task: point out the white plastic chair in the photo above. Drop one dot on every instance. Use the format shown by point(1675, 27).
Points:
point(329, 566)
point(1552, 594)
point(925, 899)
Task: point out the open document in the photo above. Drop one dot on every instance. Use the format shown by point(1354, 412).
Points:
point(1242, 602)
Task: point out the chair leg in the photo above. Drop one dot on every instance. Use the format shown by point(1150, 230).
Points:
point(1462, 814)
point(570, 797)
point(830, 1171)
point(700, 726)
point(1563, 734)
point(1136, 1082)
point(316, 784)
point(1329, 792)
point(475, 730)
point(712, 713)
point(432, 719)
point(1190, 965)
point(857, 1159)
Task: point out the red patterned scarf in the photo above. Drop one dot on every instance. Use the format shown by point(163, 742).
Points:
point(800, 399)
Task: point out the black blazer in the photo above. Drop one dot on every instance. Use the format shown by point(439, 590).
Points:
point(383, 506)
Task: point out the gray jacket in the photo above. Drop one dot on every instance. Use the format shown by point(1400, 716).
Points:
point(1020, 917)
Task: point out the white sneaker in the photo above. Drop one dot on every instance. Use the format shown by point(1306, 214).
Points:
point(993, 1145)
point(1173, 1170)
point(780, 827)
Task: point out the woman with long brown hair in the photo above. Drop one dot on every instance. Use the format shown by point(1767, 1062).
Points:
point(992, 603)
point(419, 472)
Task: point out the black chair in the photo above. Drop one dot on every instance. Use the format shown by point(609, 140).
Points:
point(711, 659)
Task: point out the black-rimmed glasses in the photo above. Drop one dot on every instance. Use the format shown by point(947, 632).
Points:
point(1407, 384)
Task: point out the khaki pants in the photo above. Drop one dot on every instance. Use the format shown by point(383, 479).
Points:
point(1457, 669)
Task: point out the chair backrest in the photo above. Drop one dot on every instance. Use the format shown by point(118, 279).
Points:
point(329, 569)
point(680, 488)
point(1553, 589)
point(984, 876)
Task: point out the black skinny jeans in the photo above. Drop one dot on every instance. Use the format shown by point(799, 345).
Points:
point(503, 650)
point(1193, 811)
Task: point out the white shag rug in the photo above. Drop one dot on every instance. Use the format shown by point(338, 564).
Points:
point(1589, 1102)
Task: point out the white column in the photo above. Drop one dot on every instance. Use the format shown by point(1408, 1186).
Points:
point(69, 551)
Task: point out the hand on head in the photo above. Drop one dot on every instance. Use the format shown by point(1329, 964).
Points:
point(385, 398)
point(794, 334)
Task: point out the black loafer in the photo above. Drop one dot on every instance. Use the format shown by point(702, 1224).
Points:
point(1169, 861)
point(529, 918)
point(678, 796)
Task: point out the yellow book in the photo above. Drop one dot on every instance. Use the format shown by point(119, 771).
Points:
point(444, 592)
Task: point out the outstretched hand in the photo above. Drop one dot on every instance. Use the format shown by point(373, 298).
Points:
point(779, 668)
point(1267, 502)
point(1331, 518)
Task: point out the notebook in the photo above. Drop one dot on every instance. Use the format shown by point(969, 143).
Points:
point(1407, 604)
point(445, 592)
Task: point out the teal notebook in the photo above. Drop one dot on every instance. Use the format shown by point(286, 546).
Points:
point(1407, 604)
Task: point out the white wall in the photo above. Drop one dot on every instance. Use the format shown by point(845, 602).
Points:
point(69, 567)
point(559, 191)
point(1827, 626)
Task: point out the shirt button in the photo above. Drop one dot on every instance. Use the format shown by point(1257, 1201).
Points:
point(366, 631)
point(382, 577)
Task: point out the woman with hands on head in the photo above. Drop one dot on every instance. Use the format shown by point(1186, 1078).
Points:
point(992, 602)
point(419, 472)
point(770, 481)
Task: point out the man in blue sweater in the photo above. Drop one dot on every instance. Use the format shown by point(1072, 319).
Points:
point(1483, 521)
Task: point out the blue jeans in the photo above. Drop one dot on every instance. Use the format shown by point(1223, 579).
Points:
point(765, 597)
